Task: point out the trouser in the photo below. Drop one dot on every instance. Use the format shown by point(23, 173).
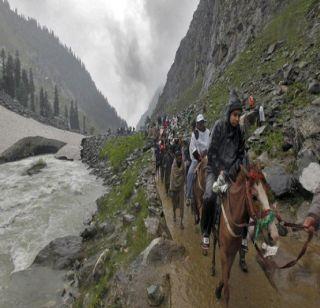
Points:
point(209, 206)
point(190, 178)
point(178, 201)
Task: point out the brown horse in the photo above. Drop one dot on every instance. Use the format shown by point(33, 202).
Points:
point(199, 188)
point(237, 207)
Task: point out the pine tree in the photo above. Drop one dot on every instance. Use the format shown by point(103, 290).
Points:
point(48, 108)
point(17, 70)
point(31, 90)
point(9, 82)
point(41, 102)
point(84, 124)
point(56, 102)
point(25, 80)
point(3, 62)
point(23, 89)
point(71, 115)
point(66, 114)
point(76, 117)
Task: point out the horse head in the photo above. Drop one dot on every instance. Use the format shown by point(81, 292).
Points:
point(258, 193)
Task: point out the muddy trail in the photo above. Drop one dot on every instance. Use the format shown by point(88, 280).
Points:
point(193, 286)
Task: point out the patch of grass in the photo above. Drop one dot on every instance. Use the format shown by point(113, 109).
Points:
point(117, 149)
point(121, 198)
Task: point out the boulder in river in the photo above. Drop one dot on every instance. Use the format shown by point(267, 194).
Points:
point(61, 253)
point(30, 146)
point(36, 168)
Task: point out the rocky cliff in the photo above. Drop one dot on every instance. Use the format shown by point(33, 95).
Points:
point(219, 32)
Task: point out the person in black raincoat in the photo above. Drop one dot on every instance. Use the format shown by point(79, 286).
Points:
point(225, 155)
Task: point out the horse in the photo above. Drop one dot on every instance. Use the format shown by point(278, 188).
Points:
point(237, 206)
point(199, 188)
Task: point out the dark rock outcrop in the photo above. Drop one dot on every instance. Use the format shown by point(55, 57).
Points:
point(61, 253)
point(30, 146)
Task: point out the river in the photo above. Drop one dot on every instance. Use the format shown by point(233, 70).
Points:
point(34, 210)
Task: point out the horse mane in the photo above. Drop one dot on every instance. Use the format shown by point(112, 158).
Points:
point(255, 175)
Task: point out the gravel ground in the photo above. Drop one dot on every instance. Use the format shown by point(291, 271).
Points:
point(14, 127)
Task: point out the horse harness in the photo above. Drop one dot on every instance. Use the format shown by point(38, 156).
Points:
point(255, 222)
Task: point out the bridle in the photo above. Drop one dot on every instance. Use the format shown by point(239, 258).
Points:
point(268, 215)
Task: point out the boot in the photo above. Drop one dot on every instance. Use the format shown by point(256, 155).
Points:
point(242, 260)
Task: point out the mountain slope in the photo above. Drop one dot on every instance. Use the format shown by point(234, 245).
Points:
point(151, 107)
point(218, 33)
point(54, 63)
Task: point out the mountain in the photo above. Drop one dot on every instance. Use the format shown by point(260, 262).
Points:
point(151, 107)
point(220, 30)
point(54, 63)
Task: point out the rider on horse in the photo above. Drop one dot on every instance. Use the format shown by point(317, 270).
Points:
point(198, 149)
point(226, 154)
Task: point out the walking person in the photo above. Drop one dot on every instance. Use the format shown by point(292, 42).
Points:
point(177, 181)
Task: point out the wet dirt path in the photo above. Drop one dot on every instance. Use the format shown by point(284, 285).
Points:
point(193, 286)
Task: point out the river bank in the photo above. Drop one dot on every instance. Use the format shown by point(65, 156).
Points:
point(36, 209)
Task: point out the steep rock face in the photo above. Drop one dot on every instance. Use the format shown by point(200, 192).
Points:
point(152, 105)
point(219, 31)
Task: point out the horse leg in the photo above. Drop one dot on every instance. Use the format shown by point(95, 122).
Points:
point(224, 271)
point(213, 268)
point(226, 290)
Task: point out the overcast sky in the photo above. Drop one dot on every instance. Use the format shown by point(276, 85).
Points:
point(127, 46)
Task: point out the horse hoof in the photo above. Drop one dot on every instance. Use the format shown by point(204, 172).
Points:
point(213, 271)
point(218, 293)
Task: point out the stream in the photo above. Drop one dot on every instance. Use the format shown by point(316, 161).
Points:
point(34, 210)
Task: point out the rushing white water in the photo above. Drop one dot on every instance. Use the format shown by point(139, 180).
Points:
point(35, 210)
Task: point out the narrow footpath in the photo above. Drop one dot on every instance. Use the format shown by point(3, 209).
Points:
point(193, 286)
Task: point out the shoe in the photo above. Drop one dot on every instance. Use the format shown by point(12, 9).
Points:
point(205, 243)
point(188, 202)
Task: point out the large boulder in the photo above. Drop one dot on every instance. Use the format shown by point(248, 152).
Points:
point(310, 177)
point(61, 253)
point(279, 181)
point(30, 146)
point(162, 251)
point(314, 87)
